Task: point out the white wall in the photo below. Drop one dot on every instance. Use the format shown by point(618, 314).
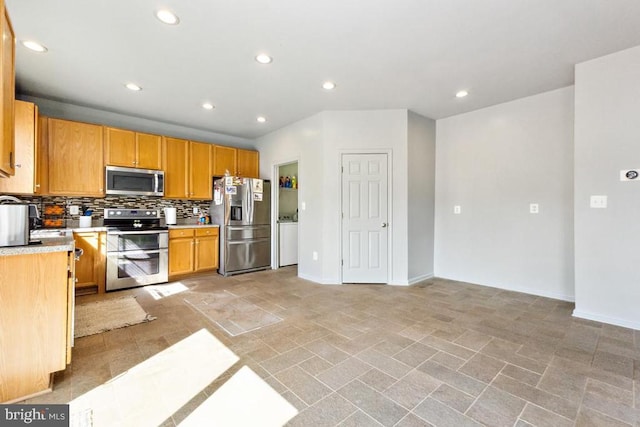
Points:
point(365, 131)
point(420, 170)
point(319, 142)
point(79, 113)
point(494, 162)
point(301, 142)
point(607, 140)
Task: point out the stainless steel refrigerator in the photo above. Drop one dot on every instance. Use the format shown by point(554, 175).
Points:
point(242, 208)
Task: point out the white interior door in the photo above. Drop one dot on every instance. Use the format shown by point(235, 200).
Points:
point(364, 218)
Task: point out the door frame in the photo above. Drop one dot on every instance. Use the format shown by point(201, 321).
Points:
point(389, 154)
point(275, 208)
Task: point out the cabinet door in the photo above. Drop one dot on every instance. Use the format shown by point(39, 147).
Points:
point(248, 164)
point(7, 95)
point(42, 156)
point(90, 268)
point(181, 256)
point(200, 182)
point(175, 162)
point(149, 151)
point(33, 322)
point(224, 159)
point(23, 182)
point(206, 253)
point(76, 162)
point(120, 147)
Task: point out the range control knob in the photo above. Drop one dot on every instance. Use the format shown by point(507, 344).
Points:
point(119, 213)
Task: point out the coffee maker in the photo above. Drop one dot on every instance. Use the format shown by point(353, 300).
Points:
point(17, 218)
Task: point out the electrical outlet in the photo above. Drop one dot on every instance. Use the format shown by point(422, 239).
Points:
point(315, 255)
point(598, 202)
point(74, 210)
point(534, 208)
point(457, 209)
point(196, 210)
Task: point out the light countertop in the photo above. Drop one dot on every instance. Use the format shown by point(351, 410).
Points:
point(49, 244)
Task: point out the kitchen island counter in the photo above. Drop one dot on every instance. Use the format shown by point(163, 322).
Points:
point(49, 244)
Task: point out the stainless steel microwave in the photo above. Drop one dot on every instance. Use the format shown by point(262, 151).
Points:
point(134, 182)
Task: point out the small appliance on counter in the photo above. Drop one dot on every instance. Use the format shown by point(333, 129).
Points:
point(15, 221)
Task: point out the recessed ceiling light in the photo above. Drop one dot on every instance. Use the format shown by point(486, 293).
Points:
point(167, 17)
point(208, 106)
point(328, 85)
point(263, 58)
point(462, 94)
point(34, 46)
point(132, 86)
point(261, 119)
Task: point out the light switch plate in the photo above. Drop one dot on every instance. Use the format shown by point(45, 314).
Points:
point(598, 202)
point(534, 208)
point(457, 209)
point(303, 206)
point(196, 210)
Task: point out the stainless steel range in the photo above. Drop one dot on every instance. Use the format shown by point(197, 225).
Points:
point(137, 248)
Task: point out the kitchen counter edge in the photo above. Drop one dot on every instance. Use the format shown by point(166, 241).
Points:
point(62, 244)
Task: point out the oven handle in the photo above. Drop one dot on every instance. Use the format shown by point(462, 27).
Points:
point(117, 233)
point(125, 253)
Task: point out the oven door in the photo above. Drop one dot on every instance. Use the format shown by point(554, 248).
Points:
point(136, 268)
point(148, 240)
point(137, 258)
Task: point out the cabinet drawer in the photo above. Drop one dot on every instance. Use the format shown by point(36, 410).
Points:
point(208, 231)
point(181, 232)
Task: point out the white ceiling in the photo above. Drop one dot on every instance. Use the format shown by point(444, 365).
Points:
point(383, 54)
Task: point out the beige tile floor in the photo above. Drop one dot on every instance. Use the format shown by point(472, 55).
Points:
point(439, 353)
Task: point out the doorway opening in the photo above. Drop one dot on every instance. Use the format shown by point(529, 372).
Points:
point(286, 184)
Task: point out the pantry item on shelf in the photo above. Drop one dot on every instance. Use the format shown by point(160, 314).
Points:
point(294, 182)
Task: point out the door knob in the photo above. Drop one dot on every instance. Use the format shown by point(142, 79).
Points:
point(384, 224)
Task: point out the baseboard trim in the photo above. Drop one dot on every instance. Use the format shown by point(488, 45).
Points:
point(606, 319)
point(530, 291)
point(317, 280)
point(418, 279)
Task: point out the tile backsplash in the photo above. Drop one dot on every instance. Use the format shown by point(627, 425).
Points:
point(184, 207)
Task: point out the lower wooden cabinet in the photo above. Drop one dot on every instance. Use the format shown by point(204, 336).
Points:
point(91, 267)
point(192, 250)
point(35, 322)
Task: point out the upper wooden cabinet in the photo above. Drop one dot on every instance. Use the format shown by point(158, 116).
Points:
point(200, 183)
point(42, 156)
point(26, 178)
point(148, 151)
point(7, 94)
point(248, 164)
point(224, 160)
point(76, 162)
point(175, 162)
point(132, 149)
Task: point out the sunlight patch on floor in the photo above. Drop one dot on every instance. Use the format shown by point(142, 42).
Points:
point(244, 400)
point(155, 389)
point(163, 291)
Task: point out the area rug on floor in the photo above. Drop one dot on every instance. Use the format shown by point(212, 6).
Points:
point(101, 316)
point(232, 313)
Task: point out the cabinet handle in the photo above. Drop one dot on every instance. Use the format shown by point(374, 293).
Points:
point(18, 166)
point(37, 185)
